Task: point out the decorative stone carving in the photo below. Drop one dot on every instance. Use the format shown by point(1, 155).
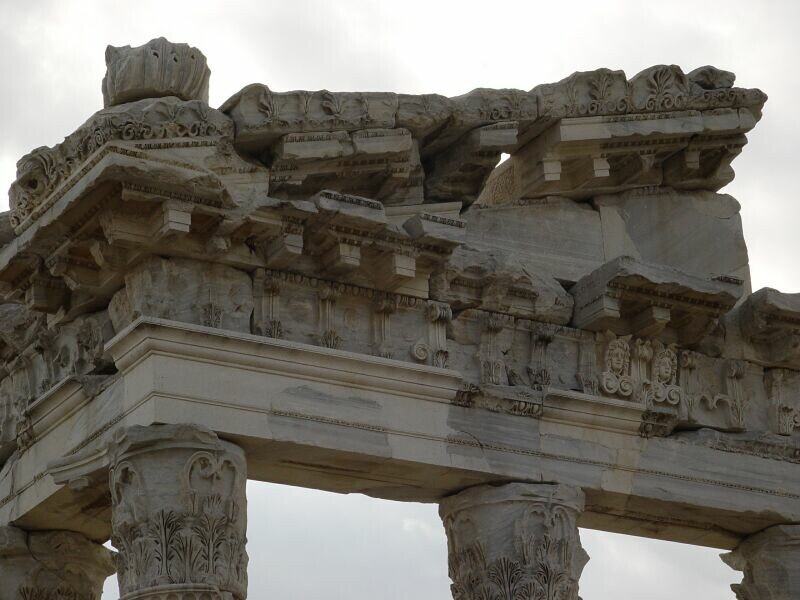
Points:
point(179, 513)
point(156, 69)
point(511, 400)
point(160, 251)
point(538, 368)
point(657, 422)
point(432, 348)
point(303, 135)
point(735, 398)
point(515, 541)
point(213, 295)
point(769, 561)
point(51, 565)
point(763, 445)
point(493, 367)
point(784, 411)
point(328, 335)
point(664, 374)
point(266, 305)
point(770, 321)
point(616, 376)
point(627, 296)
point(385, 305)
point(43, 171)
point(644, 371)
point(608, 137)
point(493, 280)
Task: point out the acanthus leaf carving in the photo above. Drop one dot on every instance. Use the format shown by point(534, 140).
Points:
point(44, 169)
point(185, 531)
point(539, 558)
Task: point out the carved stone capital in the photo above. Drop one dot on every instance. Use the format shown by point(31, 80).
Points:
point(769, 560)
point(179, 514)
point(156, 69)
point(51, 564)
point(518, 540)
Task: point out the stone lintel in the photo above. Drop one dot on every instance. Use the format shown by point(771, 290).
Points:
point(301, 429)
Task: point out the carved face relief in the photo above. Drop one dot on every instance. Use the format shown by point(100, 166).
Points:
point(664, 370)
point(618, 356)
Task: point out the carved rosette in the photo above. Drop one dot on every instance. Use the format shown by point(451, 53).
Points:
point(769, 560)
point(518, 541)
point(51, 565)
point(179, 514)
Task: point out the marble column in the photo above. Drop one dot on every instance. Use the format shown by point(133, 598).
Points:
point(517, 541)
point(179, 514)
point(45, 565)
point(770, 561)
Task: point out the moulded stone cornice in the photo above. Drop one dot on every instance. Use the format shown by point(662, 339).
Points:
point(42, 174)
point(148, 335)
point(770, 321)
point(629, 297)
point(304, 408)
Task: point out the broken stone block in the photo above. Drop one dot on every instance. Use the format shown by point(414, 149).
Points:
point(698, 232)
point(212, 295)
point(770, 321)
point(626, 296)
point(156, 69)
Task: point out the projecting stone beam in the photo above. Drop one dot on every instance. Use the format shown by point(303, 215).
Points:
point(770, 321)
point(392, 269)
point(629, 297)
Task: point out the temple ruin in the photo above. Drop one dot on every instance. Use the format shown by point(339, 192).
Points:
point(354, 292)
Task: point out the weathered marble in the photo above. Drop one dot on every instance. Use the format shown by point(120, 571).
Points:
point(179, 514)
point(770, 562)
point(349, 291)
point(628, 296)
point(45, 565)
point(697, 232)
point(518, 540)
point(158, 68)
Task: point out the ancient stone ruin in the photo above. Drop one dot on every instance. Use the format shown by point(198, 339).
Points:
point(353, 292)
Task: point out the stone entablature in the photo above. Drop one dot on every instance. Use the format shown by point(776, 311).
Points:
point(347, 291)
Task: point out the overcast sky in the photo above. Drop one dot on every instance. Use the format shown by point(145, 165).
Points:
point(305, 543)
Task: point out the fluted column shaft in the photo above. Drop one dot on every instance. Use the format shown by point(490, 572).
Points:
point(770, 561)
point(45, 565)
point(517, 541)
point(179, 514)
